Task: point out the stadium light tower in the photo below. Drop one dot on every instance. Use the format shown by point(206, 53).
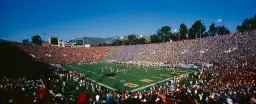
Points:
point(175, 31)
point(229, 28)
point(163, 37)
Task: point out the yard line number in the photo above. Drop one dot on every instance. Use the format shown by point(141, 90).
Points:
point(131, 85)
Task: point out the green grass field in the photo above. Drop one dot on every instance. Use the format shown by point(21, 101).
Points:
point(135, 79)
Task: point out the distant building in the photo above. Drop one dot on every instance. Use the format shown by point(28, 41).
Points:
point(87, 45)
point(63, 44)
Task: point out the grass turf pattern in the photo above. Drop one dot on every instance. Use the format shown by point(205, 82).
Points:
point(136, 78)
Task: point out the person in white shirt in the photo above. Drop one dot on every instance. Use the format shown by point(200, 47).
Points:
point(229, 101)
point(83, 83)
point(77, 88)
point(97, 98)
point(172, 81)
point(80, 84)
point(93, 89)
point(87, 85)
point(62, 89)
point(23, 89)
point(64, 84)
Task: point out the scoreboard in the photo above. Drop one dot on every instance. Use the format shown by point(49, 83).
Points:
point(54, 41)
point(80, 42)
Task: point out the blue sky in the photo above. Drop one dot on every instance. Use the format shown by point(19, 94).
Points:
point(69, 19)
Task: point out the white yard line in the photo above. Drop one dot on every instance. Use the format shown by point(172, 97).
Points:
point(94, 80)
point(111, 77)
point(94, 73)
point(156, 77)
point(140, 88)
point(153, 84)
point(150, 85)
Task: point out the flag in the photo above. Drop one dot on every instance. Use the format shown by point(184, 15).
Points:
point(82, 99)
point(42, 93)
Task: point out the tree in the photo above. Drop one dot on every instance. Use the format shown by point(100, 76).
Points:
point(183, 31)
point(125, 42)
point(254, 22)
point(240, 28)
point(190, 33)
point(117, 42)
point(197, 29)
point(25, 41)
point(132, 39)
point(174, 37)
point(205, 34)
point(36, 40)
point(141, 41)
point(222, 30)
point(248, 24)
point(154, 39)
point(164, 33)
point(212, 30)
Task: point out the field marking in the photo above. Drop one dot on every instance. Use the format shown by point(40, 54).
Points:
point(94, 73)
point(157, 77)
point(143, 87)
point(111, 77)
point(153, 84)
point(122, 81)
point(94, 80)
point(157, 69)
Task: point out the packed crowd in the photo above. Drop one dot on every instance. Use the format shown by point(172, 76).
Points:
point(201, 91)
point(66, 55)
point(219, 49)
point(234, 50)
point(234, 71)
point(22, 89)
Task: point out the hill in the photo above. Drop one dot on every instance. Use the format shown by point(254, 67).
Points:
point(95, 40)
point(6, 41)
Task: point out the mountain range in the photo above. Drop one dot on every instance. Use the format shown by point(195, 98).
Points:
point(96, 41)
point(6, 41)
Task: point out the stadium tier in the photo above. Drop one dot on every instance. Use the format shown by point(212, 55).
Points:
point(229, 52)
point(146, 72)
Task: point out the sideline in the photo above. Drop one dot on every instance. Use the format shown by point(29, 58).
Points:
point(155, 83)
point(94, 80)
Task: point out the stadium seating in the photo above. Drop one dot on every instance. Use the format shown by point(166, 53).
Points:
point(233, 57)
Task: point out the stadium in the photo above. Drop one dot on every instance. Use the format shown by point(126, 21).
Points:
point(128, 69)
point(128, 52)
point(134, 79)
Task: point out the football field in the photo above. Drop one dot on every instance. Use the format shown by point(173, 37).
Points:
point(135, 79)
